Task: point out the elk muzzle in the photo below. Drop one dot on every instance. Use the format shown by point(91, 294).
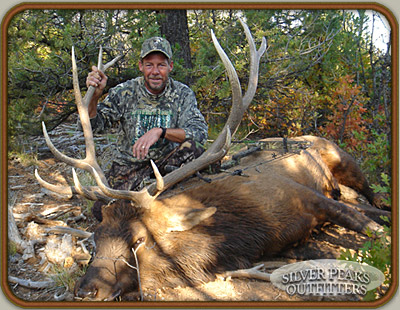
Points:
point(106, 280)
point(111, 274)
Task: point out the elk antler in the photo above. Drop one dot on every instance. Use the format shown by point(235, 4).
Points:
point(215, 152)
point(89, 162)
point(239, 105)
point(221, 145)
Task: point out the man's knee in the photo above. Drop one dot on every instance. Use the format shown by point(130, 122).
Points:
point(192, 147)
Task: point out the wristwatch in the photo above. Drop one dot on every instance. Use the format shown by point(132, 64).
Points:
point(164, 130)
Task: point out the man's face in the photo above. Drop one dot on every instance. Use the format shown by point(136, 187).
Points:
point(155, 68)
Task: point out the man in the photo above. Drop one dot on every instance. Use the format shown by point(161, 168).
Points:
point(157, 117)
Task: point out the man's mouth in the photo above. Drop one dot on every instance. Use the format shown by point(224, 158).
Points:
point(155, 78)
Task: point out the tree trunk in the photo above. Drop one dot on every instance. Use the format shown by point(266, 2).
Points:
point(174, 27)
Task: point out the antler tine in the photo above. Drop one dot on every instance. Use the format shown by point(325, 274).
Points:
point(63, 190)
point(255, 57)
point(78, 163)
point(103, 68)
point(82, 106)
point(159, 178)
point(142, 198)
point(89, 192)
point(100, 59)
point(236, 113)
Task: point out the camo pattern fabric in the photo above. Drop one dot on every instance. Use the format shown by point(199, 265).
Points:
point(135, 111)
point(156, 44)
point(138, 175)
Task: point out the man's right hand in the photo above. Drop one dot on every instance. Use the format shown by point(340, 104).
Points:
point(97, 79)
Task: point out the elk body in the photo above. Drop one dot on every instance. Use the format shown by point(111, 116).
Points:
point(147, 241)
point(227, 224)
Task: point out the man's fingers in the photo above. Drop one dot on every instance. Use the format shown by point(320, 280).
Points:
point(140, 150)
point(93, 83)
point(143, 150)
point(96, 77)
point(102, 75)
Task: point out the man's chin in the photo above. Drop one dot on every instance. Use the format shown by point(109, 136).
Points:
point(156, 87)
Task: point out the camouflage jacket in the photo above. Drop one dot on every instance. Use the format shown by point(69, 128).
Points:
point(135, 111)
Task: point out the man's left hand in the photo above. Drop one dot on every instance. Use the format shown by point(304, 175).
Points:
point(143, 144)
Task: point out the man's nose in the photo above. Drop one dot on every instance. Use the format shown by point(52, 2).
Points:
point(155, 70)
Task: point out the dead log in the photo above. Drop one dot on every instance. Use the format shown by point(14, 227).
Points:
point(23, 247)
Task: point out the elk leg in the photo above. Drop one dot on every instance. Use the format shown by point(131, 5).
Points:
point(345, 216)
point(373, 213)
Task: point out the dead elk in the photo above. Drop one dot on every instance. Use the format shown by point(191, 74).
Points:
point(147, 242)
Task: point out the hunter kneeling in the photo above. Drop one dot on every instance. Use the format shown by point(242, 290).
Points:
point(157, 116)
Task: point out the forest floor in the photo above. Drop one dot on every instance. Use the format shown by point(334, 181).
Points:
point(58, 258)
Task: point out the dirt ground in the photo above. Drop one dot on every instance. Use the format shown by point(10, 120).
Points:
point(36, 213)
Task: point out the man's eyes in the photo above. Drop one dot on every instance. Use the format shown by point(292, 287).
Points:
point(160, 65)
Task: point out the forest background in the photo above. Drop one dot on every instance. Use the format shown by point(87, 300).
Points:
point(321, 74)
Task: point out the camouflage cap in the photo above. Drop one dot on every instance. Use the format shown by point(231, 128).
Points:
point(156, 44)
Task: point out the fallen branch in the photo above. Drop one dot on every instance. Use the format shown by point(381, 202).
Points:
point(57, 211)
point(21, 246)
point(31, 284)
point(42, 220)
point(68, 230)
point(77, 218)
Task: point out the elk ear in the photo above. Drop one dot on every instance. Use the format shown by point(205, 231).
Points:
point(190, 218)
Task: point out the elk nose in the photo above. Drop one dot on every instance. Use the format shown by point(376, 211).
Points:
point(86, 293)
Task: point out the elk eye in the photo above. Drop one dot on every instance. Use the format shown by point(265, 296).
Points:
point(139, 242)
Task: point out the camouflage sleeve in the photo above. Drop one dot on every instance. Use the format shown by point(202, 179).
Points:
point(191, 120)
point(109, 111)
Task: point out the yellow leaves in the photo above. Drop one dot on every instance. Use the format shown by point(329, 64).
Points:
point(43, 52)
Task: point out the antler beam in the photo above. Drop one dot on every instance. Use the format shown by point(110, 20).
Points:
point(89, 162)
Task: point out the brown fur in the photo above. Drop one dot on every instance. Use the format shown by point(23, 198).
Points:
point(225, 225)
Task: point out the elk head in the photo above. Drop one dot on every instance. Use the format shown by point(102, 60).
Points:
point(125, 240)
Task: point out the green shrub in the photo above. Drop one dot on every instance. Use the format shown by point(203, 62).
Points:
point(376, 252)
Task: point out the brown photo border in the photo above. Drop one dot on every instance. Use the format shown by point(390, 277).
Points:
point(205, 6)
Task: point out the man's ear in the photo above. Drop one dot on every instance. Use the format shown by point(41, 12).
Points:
point(188, 219)
point(171, 65)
